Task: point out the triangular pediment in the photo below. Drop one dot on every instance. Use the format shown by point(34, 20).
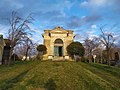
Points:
point(58, 30)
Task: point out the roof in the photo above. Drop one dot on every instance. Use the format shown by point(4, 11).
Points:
point(58, 29)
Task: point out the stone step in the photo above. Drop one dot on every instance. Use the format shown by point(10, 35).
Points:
point(58, 59)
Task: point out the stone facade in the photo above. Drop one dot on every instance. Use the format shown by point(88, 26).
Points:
point(6, 51)
point(2, 44)
point(56, 41)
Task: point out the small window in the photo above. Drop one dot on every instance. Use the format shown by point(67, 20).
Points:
point(49, 34)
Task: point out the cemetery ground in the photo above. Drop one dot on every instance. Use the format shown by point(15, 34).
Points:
point(47, 75)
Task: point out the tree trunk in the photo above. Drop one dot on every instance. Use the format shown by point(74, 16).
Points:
point(108, 59)
point(101, 57)
point(26, 54)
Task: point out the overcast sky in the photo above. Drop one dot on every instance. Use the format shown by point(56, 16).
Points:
point(84, 17)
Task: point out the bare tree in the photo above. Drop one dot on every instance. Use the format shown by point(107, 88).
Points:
point(26, 48)
point(91, 44)
point(28, 45)
point(107, 40)
point(19, 28)
point(19, 50)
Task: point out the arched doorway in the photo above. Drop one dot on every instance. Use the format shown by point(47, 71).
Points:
point(58, 48)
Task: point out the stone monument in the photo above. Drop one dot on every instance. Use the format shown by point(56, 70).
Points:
point(56, 41)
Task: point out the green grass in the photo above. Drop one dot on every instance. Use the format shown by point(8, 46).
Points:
point(36, 75)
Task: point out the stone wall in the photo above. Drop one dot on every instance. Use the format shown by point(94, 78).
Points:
point(2, 44)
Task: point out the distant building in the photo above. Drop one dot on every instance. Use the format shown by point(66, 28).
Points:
point(2, 44)
point(6, 51)
point(56, 41)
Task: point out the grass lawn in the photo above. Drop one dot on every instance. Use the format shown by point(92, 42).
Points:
point(36, 75)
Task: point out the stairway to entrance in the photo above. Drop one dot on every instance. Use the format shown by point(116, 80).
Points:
point(58, 58)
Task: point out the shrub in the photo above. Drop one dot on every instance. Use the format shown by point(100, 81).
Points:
point(75, 49)
point(41, 51)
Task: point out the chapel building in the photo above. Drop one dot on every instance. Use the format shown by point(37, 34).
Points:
point(56, 42)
